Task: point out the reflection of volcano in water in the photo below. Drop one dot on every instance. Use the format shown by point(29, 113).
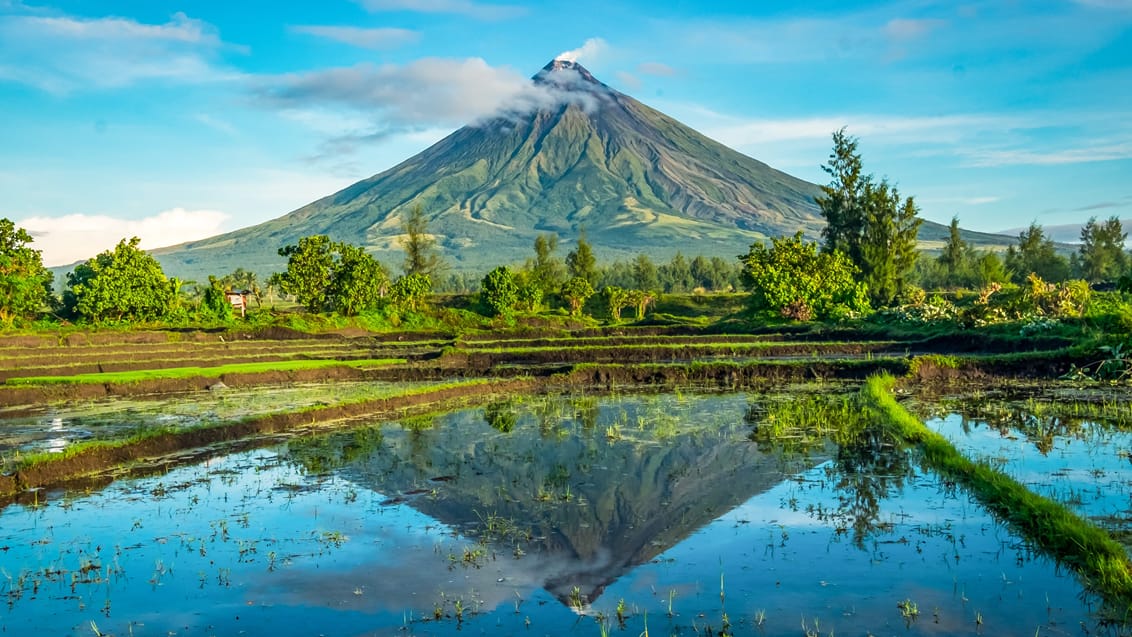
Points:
point(596, 507)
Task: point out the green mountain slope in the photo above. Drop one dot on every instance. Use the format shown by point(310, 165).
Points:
point(588, 157)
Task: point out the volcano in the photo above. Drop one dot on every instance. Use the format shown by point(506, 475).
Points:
point(572, 155)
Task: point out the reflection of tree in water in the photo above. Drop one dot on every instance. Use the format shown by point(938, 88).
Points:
point(869, 468)
point(1039, 425)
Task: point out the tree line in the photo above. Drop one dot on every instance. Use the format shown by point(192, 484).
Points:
point(867, 259)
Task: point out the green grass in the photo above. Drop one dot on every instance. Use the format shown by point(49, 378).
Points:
point(196, 372)
point(1100, 560)
point(726, 347)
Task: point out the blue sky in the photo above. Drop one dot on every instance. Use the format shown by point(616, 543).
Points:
point(175, 120)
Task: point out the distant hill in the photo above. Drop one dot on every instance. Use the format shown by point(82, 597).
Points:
point(587, 157)
point(1069, 233)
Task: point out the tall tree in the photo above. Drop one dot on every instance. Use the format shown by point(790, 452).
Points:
point(125, 283)
point(955, 252)
point(1101, 254)
point(868, 222)
point(421, 254)
point(25, 285)
point(547, 271)
point(1036, 254)
point(842, 205)
point(645, 273)
point(581, 261)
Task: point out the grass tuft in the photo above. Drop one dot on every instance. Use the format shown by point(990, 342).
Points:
point(1100, 560)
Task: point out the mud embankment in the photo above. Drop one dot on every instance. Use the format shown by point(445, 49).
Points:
point(100, 458)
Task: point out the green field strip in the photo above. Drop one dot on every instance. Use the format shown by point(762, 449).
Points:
point(202, 361)
point(208, 372)
point(723, 346)
point(1101, 561)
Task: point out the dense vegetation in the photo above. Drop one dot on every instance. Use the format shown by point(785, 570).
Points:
point(865, 265)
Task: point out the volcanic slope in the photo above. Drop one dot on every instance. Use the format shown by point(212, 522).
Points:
point(575, 154)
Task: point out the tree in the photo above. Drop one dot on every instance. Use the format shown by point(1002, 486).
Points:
point(125, 283)
point(888, 242)
point(867, 221)
point(359, 281)
point(576, 291)
point(243, 280)
point(325, 275)
point(955, 251)
point(498, 292)
point(581, 261)
point(410, 291)
point(793, 279)
point(617, 300)
point(676, 275)
point(421, 255)
point(645, 274)
point(214, 302)
point(641, 299)
point(1101, 254)
point(990, 269)
point(529, 295)
point(310, 272)
point(842, 204)
point(25, 285)
point(547, 271)
point(1036, 254)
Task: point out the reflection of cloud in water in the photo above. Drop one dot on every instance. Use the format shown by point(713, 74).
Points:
point(417, 578)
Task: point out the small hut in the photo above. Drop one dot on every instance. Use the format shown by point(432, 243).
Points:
point(238, 300)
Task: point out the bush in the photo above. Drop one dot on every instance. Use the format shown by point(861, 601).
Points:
point(793, 280)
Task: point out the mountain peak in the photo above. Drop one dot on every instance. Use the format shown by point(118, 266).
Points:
point(564, 70)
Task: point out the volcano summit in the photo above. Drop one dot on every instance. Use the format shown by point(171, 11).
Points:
point(570, 153)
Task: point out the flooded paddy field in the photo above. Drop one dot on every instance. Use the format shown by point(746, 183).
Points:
point(55, 426)
point(581, 514)
point(1079, 455)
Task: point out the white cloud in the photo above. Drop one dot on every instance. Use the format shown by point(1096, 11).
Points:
point(381, 38)
point(478, 10)
point(1030, 157)
point(60, 54)
point(427, 93)
point(947, 128)
point(589, 51)
point(78, 237)
point(906, 29)
point(630, 81)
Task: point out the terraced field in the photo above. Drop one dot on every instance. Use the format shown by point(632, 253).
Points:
point(605, 454)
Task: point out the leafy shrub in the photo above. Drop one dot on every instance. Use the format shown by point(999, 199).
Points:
point(792, 279)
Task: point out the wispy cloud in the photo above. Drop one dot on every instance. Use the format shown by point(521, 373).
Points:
point(78, 237)
point(427, 93)
point(61, 54)
point(589, 51)
point(656, 68)
point(1123, 5)
point(377, 39)
point(1099, 152)
point(944, 128)
point(477, 10)
point(907, 29)
point(430, 91)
